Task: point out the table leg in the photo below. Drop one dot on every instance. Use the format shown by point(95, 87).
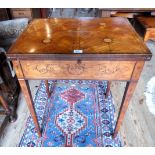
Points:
point(26, 91)
point(47, 88)
point(108, 89)
point(130, 87)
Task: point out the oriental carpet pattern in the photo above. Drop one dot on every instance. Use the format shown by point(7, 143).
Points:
point(76, 115)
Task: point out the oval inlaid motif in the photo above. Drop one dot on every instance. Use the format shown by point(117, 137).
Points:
point(107, 40)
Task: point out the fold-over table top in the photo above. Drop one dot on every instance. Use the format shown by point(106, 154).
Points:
point(112, 38)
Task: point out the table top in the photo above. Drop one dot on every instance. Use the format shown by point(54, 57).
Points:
point(148, 22)
point(112, 38)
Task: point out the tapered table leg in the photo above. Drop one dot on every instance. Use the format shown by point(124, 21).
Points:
point(130, 86)
point(129, 90)
point(108, 89)
point(47, 88)
point(26, 91)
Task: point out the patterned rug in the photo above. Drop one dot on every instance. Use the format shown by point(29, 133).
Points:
point(76, 115)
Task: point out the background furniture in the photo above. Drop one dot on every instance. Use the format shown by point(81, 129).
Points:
point(106, 12)
point(12, 13)
point(25, 13)
point(10, 30)
point(9, 86)
point(108, 56)
point(4, 14)
point(9, 91)
point(146, 27)
point(68, 12)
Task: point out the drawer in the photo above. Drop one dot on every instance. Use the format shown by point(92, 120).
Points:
point(101, 70)
point(21, 13)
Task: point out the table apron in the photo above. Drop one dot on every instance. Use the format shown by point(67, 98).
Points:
point(94, 70)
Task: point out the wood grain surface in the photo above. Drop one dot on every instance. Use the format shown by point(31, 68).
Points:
point(113, 36)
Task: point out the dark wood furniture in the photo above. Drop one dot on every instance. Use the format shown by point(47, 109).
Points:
point(81, 48)
point(106, 12)
point(25, 13)
point(9, 90)
point(147, 26)
point(5, 105)
point(124, 12)
point(4, 14)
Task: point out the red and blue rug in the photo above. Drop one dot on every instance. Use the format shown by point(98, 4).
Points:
point(76, 115)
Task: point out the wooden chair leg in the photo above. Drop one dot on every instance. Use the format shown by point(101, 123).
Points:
point(26, 91)
point(108, 89)
point(5, 105)
point(130, 86)
point(47, 88)
point(9, 112)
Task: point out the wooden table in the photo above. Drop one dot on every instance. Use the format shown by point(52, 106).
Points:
point(80, 48)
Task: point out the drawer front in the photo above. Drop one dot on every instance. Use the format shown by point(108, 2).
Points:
point(21, 13)
point(101, 70)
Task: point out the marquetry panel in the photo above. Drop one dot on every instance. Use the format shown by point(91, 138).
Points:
point(111, 70)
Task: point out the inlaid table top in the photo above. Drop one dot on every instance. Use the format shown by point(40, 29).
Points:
point(105, 37)
point(148, 22)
